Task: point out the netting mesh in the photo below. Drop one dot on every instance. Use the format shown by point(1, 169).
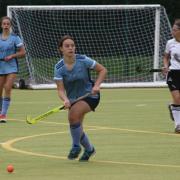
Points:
point(123, 40)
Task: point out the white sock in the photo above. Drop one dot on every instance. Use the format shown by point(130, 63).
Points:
point(176, 114)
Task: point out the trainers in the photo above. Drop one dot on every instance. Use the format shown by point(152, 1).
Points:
point(74, 152)
point(177, 129)
point(2, 118)
point(170, 112)
point(87, 154)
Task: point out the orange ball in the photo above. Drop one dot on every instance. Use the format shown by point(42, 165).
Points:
point(10, 168)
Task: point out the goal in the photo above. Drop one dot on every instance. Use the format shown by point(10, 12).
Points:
point(128, 40)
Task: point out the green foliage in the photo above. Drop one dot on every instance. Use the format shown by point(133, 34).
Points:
point(172, 6)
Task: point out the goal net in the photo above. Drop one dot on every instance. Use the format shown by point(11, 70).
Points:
point(128, 40)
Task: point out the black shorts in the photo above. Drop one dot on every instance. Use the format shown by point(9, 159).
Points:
point(92, 102)
point(173, 80)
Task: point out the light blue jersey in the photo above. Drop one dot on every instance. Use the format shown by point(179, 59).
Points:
point(77, 82)
point(8, 47)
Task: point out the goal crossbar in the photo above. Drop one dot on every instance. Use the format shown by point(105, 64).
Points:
point(90, 7)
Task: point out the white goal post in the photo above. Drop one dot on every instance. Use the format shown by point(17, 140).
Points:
point(128, 40)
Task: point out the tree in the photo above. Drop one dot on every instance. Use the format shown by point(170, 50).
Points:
point(172, 7)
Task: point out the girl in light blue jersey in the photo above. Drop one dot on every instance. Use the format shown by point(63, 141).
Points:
point(73, 80)
point(11, 48)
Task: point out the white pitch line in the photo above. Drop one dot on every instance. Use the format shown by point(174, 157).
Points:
point(141, 105)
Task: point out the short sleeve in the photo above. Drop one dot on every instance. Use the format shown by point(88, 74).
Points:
point(57, 73)
point(167, 49)
point(90, 63)
point(18, 42)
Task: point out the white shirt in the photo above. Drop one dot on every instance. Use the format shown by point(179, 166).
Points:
point(173, 49)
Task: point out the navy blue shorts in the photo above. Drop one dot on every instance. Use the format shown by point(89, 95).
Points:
point(92, 102)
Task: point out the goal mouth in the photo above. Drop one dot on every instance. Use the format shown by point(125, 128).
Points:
point(124, 38)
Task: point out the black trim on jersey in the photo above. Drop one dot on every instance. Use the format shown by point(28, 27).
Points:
point(16, 57)
point(59, 64)
point(89, 75)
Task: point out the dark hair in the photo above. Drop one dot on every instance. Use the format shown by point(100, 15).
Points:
point(177, 23)
point(5, 17)
point(63, 38)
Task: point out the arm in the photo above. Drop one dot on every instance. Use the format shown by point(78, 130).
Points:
point(166, 60)
point(19, 54)
point(102, 71)
point(62, 94)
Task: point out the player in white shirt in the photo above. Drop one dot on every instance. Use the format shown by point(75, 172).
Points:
point(171, 69)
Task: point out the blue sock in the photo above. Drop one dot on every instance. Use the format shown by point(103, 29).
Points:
point(76, 131)
point(85, 142)
point(1, 99)
point(5, 105)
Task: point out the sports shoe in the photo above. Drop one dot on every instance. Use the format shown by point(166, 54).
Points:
point(74, 152)
point(2, 118)
point(170, 112)
point(177, 129)
point(87, 154)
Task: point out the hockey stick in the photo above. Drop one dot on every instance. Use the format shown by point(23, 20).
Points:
point(140, 69)
point(155, 70)
point(34, 120)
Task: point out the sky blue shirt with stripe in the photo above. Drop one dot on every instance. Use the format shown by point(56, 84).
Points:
point(8, 47)
point(77, 81)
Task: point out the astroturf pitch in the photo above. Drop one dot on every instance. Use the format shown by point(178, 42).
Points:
point(131, 131)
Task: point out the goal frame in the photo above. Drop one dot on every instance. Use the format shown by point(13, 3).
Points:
point(155, 82)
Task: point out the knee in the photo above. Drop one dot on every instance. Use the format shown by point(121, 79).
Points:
point(73, 117)
point(177, 101)
point(7, 88)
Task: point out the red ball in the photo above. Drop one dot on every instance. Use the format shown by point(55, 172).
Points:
point(10, 168)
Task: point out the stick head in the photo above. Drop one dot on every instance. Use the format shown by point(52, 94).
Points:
point(29, 120)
